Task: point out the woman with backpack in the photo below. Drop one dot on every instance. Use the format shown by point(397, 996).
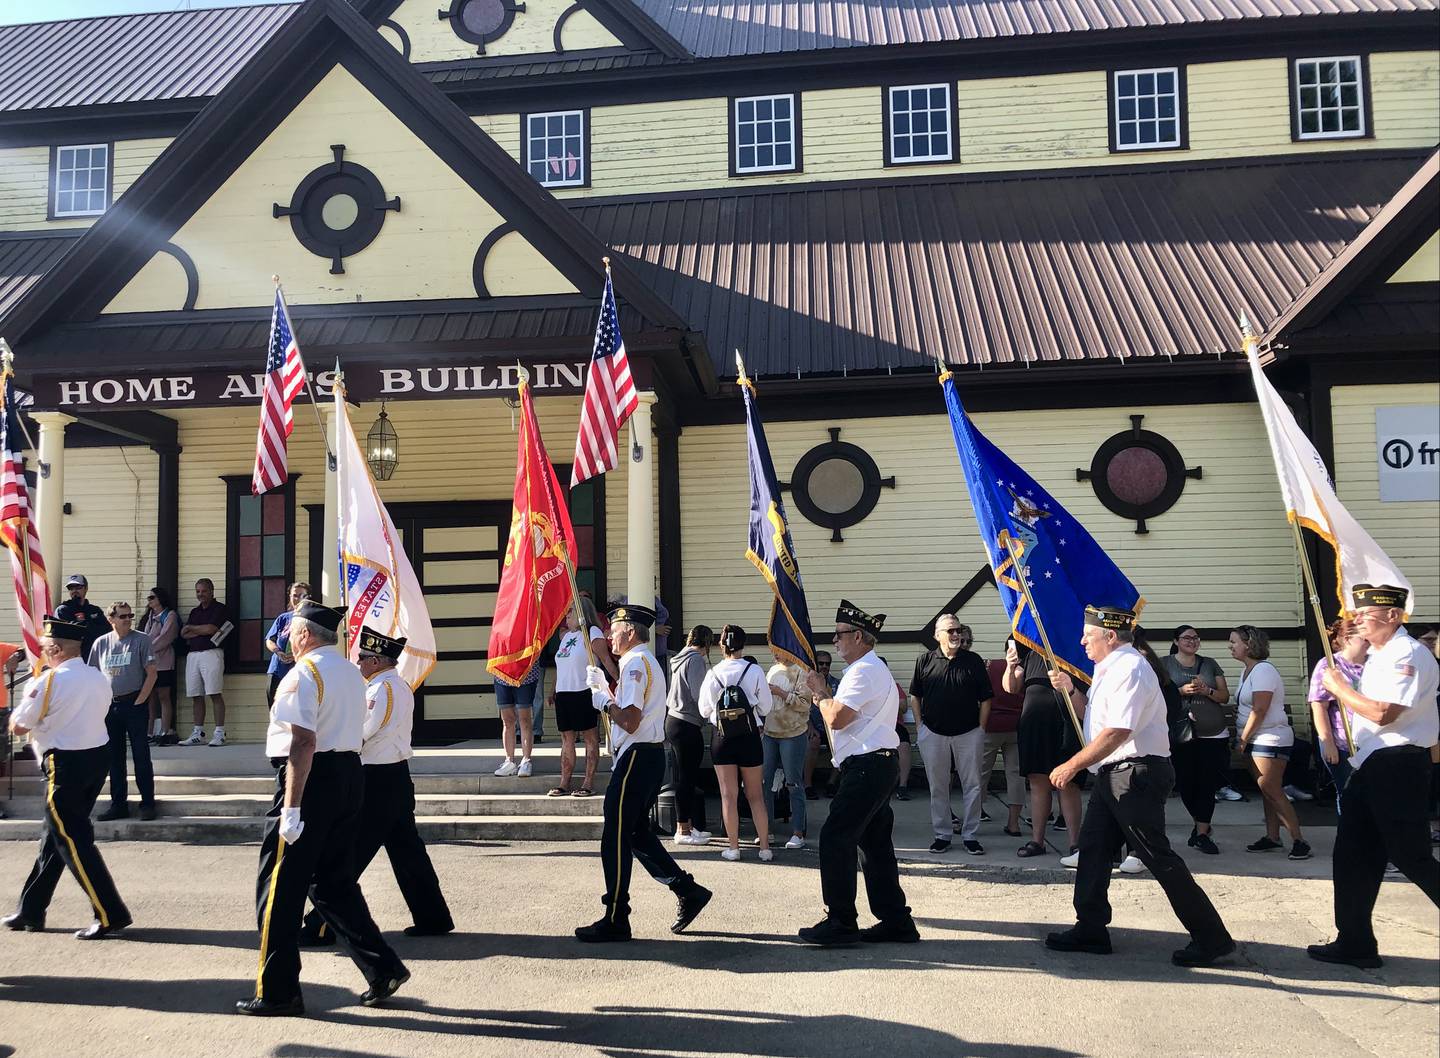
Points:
point(1200, 762)
point(736, 698)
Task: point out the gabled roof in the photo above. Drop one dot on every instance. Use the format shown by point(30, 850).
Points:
point(26, 256)
point(321, 34)
point(1071, 266)
point(1406, 222)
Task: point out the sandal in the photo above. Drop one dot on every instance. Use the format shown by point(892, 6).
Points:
point(1009, 832)
point(584, 791)
point(1031, 848)
point(559, 791)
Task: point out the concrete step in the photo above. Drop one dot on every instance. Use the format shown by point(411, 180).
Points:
point(216, 830)
point(244, 804)
point(264, 785)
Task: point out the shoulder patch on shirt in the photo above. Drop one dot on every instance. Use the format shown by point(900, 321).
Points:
point(636, 675)
point(1405, 670)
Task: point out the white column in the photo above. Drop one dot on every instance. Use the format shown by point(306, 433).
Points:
point(329, 566)
point(640, 523)
point(50, 495)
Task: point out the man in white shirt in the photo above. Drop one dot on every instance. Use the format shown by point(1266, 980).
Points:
point(1127, 746)
point(636, 710)
point(860, 716)
point(63, 711)
point(316, 730)
point(1394, 720)
point(387, 815)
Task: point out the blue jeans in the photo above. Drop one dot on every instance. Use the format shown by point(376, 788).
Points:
point(789, 754)
point(1340, 773)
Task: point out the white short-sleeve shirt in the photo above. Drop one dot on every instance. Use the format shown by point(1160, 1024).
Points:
point(65, 708)
point(325, 693)
point(732, 671)
point(1404, 673)
point(389, 717)
point(869, 688)
point(1126, 694)
point(571, 661)
point(641, 686)
point(1274, 729)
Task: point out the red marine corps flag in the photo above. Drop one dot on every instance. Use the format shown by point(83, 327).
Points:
point(535, 584)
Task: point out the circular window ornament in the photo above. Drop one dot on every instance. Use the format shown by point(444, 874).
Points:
point(337, 210)
point(1138, 474)
point(837, 484)
point(481, 21)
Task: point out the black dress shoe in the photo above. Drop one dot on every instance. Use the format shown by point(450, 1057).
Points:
point(604, 931)
point(828, 934)
point(1074, 939)
point(316, 938)
point(147, 812)
point(272, 1008)
point(95, 931)
point(1332, 952)
point(112, 813)
point(691, 903)
point(903, 932)
point(429, 931)
point(17, 921)
point(384, 988)
point(1197, 954)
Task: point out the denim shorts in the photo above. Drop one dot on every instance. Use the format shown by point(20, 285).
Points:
point(1282, 752)
point(522, 697)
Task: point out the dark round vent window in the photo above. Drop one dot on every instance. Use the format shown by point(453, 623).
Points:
point(1137, 474)
point(338, 210)
point(837, 484)
point(483, 17)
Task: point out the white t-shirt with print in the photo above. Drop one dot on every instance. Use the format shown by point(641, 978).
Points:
point(1274, 728)
point(571, 661)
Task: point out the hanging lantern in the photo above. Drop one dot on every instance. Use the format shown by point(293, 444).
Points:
point(382, 447)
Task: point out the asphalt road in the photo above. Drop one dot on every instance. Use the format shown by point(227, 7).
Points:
point(514, 981)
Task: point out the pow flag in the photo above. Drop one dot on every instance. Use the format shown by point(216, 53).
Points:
point(1063, 566)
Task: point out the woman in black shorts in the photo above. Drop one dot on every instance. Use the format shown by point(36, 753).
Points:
point(735, 698)
point(574, 711)
point(1047, 739)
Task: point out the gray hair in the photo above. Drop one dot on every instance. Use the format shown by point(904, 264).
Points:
point(868, 638)
point(642, 633)
point(317, 632)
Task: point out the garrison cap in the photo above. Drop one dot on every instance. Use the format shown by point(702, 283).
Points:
point(1379, 595)
point(325, 616)
point(1115, 618)
point(381, 646)
point(632, 613)
point(59, 628)
point(850, 614)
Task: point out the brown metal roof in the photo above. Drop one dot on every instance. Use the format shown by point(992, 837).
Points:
point(24, 258)
point(1095, 265)
point(713, 28)
point(131, 58)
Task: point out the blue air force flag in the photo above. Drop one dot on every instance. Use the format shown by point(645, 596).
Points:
point(1062, 565)
point(771, 548)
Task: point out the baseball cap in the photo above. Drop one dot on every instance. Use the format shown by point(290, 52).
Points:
point(77, 578)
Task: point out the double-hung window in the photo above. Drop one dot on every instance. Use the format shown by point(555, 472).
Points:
point(918, 124)
point(1146, 109)
point(80, 180)
point(556, 148)
point(1329, 98)
point(765, 134)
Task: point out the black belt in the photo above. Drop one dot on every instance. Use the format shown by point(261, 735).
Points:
point(330, 755)
point(1129, 762)
point(867, 756)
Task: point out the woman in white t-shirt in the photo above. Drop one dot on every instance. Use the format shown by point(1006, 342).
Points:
point(572, 706)
point(736, 750)
point(1265, 737)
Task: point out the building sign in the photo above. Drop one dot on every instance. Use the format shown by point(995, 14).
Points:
point(1407, 444)
point(363, 382)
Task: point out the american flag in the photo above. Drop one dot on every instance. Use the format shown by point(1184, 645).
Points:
point(17, 531)
point(609, 396)
point(284, 375)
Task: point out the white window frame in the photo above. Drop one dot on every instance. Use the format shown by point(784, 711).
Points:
point(947, 111)
point(1137, 121)
point(55, 189)
point(794, 142)
point(1344, 134)
point(583, 176)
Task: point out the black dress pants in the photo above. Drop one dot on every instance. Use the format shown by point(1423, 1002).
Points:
point(1127, 806)
point(635, 782)
point(387, 820)
point(1383, 817)
point(127, 722)
point(861, 821)
point(687, 746)
point(73, 780)
point(321, 863)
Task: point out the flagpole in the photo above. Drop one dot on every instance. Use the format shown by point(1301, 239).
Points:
point(1249, 342)
point(304, 371)
point(340, 494)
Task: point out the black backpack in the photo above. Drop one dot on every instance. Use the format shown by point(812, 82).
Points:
point(733, 699)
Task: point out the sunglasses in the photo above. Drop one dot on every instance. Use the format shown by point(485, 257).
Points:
point(122, 616)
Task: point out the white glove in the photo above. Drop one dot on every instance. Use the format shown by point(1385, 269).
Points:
point(597, 681)
point(290, 825)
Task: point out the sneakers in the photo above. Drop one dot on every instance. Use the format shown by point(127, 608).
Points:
point(730, 854)
point(1263, 845)
point(1332, 952)
point(902, 794)
point(766, 855)
point(795, 842)
point(1072, 860)
point(695, 837)
point(217, 737)
point(828, 934)
point(1076, 939)
point(508, 768)
point(1132, 864)
point(1228, 793)
point(197, 737)
point(1204, 843)
point(891, 933)
point(1300, 850)
point(939, 845)
point(1294, 793)
point(974, 848)
point(524, 770)
point(1197, 954)
point(984, 816)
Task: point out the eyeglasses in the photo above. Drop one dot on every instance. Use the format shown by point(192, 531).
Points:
point(1188, 639)
point(843, 632)
point(122, 616)
point(953, 632)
